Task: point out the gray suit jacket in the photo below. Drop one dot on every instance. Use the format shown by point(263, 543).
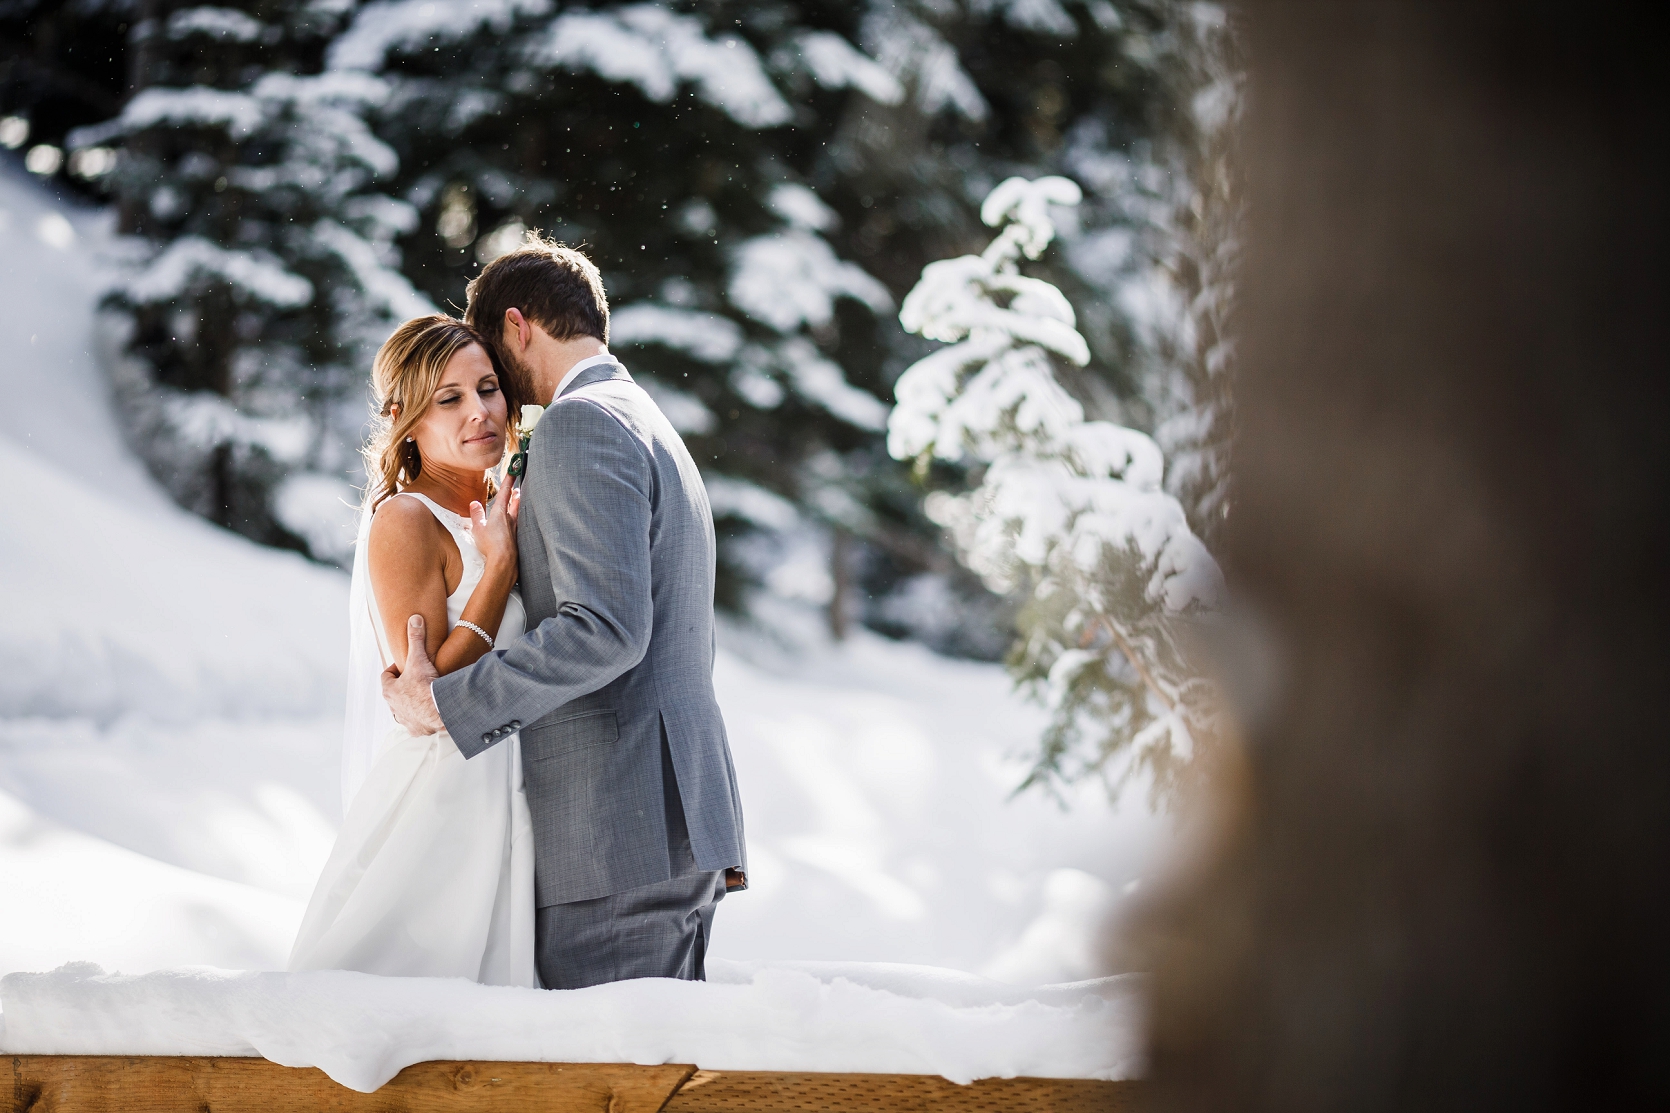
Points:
point(617, 564)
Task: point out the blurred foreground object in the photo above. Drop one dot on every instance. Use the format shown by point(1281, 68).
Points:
point(1441, 879)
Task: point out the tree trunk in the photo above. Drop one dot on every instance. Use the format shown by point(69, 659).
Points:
point(145, 55)
point(1453, 512)
point(840, 558)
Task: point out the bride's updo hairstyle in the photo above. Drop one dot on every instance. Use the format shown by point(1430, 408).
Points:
point(405, 375)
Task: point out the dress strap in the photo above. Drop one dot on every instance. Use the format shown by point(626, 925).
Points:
point(456, 524)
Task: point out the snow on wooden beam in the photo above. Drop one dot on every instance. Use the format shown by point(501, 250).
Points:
point(155, 1084)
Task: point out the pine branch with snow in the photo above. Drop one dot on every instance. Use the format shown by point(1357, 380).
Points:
point(1070, 510)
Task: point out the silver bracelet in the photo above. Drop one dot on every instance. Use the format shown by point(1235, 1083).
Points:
point(472, 626)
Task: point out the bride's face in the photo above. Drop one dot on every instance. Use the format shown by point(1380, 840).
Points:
point(464, 427)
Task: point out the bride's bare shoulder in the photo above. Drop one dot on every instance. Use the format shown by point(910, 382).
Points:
point(403, 527)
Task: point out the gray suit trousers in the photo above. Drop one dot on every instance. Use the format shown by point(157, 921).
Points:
point(659, 930)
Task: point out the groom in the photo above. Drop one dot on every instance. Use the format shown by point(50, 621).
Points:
point(636, 819)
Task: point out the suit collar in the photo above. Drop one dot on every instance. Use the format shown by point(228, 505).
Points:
point(606, 367)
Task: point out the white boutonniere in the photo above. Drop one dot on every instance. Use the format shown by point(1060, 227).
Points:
point(530, 418)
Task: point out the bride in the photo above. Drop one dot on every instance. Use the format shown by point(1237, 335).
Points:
point(432, 874)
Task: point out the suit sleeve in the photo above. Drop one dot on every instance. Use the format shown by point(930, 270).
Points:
point(592, 482)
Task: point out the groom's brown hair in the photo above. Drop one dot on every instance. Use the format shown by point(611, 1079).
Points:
point(554, 285)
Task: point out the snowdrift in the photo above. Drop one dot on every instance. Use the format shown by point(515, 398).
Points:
point(151, 611)
point(362, 1030)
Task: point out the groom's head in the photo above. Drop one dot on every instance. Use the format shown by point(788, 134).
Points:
point(542, 285)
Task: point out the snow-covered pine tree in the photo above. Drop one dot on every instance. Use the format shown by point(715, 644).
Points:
point(746, 299)
point(261, 269)
point(740, 170)
point(1071, 511)
point(1091, 90)
point(669, 140)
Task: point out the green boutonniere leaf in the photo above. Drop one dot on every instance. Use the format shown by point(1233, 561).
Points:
point(519, 461)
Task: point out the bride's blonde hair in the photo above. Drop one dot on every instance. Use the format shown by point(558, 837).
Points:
point(406, 373)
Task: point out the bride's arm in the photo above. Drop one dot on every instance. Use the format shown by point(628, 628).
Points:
point(407, 560)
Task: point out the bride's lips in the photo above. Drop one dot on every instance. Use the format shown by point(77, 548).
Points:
point(482, 438)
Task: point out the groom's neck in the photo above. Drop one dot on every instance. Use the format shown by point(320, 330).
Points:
point(556, 358)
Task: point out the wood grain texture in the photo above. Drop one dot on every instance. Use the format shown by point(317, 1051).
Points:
point(737, 1091)
point(146, 1084)
point(156, 1084)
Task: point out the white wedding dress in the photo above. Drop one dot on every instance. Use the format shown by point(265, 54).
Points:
point(432, 873)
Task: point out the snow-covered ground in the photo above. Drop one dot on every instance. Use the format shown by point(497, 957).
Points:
point(170, 701)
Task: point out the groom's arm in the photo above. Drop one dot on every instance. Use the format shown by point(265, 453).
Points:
point(590, 481)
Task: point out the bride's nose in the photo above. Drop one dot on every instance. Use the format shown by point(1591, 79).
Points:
point(480, 419)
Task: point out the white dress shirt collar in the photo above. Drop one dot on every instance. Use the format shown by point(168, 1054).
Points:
point(589, 361)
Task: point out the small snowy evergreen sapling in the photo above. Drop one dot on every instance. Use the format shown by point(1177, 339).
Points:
point(1073, 510)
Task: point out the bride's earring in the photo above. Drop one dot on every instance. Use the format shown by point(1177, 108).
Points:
point(410, 440)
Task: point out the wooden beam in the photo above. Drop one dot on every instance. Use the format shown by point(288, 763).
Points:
point(750, 1091)
point(158, 1084)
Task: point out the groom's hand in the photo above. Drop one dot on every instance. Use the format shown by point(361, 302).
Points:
point(407, 689)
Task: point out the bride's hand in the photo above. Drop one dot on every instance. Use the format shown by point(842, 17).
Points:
point(493, 528)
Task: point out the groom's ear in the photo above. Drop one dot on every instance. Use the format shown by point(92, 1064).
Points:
point(518, 332)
